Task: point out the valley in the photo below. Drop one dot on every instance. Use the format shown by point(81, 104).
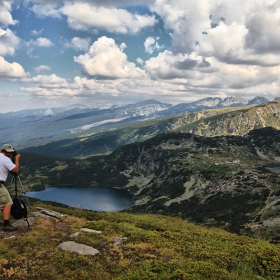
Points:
point(216, 181)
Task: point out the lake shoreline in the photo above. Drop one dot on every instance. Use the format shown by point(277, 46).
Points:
point(90, 198)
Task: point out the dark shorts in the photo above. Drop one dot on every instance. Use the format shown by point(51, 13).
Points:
point(5, 198)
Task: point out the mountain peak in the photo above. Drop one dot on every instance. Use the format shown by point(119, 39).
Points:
point(258, 100)
point(233, 101)
point(149, 101)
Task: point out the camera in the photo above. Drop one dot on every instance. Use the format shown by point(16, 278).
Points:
point(13, 160)
point(13, 156)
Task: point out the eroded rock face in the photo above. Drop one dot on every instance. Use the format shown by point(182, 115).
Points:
point(80, 249)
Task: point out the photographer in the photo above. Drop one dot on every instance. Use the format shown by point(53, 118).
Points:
point(6, 165)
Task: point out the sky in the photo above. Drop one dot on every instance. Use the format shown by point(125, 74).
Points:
point(60, 53)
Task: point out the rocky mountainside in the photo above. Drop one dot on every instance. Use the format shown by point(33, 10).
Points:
point(211, 122)
point(237, 121)
point(222, 181)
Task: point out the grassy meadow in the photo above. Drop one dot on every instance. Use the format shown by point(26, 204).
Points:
point(155, 247)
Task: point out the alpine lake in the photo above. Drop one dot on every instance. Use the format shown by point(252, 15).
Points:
point(90, 198)
point(95, 198)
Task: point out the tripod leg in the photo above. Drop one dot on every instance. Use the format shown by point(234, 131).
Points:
point(11, 185)
point(23, 191)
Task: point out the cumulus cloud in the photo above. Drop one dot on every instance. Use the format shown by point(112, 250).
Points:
point(106, 60)
point(45, 81)
point(197, 73)
point(52, 86)
point(151, 45)
point(235, 44)
point(232, 31)
point(42, 68)
point(85, 16)
point(225, 42)
point(49, 86)
point(10, 70)
point(140, 60)
point(106, 3)
point(46, 10)
point(78, 44)
point(42, 42)
point(169, 66)
point(186, 19)
point(264, 32)
point(113, 3)
point(6, 18)
point(120, 90)
point(37, 32)
point(38, 43)
point(8, 42)
point(219, 48)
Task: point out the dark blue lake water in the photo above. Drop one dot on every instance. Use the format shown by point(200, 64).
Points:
point(91, 198)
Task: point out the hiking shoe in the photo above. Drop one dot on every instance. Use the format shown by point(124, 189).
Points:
point(9, 227)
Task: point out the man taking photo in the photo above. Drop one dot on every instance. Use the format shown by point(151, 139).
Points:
point(7, 165)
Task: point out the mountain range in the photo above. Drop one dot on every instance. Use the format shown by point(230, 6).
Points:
point(210, 122)
point(28, 128)
point(218, 167)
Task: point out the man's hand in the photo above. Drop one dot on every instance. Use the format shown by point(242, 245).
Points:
point(17, 156)
point(16, 162)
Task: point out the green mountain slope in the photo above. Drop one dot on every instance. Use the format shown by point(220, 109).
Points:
point(215, 122)
point(216, 181)
point(154, 247)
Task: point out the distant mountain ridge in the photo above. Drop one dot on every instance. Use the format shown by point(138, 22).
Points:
point(41, 126)
point(212, 103)
point(32, 127)
point(211, 122)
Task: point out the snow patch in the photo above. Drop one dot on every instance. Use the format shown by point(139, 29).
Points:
point(49, 112)
point(88, 126)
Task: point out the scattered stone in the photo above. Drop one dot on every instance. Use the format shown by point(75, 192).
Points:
point(118, 241)
point(38, 214)
point(51, 213)
point(23, 222)
point(80, 249)
point(76, 234)
point(10, 237)
point(90, 230)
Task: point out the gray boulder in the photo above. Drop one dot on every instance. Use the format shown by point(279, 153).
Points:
point(80, 249)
